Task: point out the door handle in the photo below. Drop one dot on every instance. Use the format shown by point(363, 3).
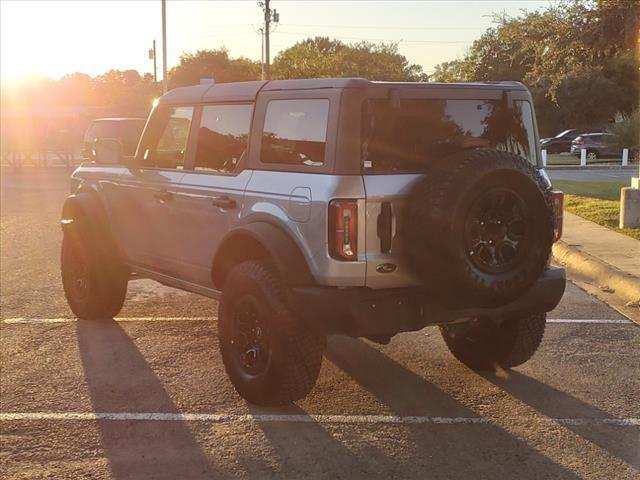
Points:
point(223, 202)
point(163, 195)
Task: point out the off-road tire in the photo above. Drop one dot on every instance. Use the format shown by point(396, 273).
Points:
point(104, 277)
point(296, 350)
point(484, 346)
point(434, 226)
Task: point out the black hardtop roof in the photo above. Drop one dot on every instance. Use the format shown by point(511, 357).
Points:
point(247, 91)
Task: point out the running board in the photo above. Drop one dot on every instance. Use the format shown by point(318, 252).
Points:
point(169, 281)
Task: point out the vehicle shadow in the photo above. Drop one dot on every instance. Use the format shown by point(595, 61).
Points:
point(554, 403)
point(462, 450)
point(311, 449)
point(120, 380)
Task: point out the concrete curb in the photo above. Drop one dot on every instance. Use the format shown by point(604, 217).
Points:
point(591, 167)
point(625, 285)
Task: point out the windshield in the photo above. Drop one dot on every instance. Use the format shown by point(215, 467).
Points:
point(414, 132)
point(562, 134)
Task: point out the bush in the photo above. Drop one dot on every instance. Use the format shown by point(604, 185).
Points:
point(627, 132)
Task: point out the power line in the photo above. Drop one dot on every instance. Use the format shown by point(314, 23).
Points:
point(461, 42)
point(383, 27)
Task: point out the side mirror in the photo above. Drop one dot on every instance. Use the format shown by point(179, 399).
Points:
point(108, 151)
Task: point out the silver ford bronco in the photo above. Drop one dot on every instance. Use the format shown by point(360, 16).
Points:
point(326, 206)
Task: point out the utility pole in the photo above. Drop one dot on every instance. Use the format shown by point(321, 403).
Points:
point(269, 16)
point(152, 55)
point(164, 46)
point(261, 31)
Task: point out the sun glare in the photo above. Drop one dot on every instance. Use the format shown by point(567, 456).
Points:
point(56, 38)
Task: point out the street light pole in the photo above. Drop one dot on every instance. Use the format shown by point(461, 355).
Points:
point(164, 46)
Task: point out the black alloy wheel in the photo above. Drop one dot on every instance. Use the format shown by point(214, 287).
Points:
point(78, 275)
point(497, 230)
point(250, 337)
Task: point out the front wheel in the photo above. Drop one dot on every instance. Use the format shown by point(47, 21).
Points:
point(483, 345)
point(95, 284)
point(271, 357)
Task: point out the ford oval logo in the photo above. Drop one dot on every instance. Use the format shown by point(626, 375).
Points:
point(386, 268)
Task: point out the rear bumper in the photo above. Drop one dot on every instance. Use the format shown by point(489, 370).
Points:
point(365, 312)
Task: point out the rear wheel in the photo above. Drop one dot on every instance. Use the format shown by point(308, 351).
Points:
point(95, 284)
point(592, 155)
point(271, 357)
point(482, 345)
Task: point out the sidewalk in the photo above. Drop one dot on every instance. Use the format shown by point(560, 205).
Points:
point(609, 259)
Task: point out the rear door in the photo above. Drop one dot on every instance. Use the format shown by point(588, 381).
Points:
point(209, 198)
point(401, 136)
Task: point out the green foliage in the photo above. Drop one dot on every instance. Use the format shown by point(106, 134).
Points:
point(323, 57)
point(604, 190)
point(627, 132)
point(214, 64)
point(602, 212)
point(576, 56)
point(126, 92)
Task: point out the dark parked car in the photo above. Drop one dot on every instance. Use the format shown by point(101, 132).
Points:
point(126, 130)
point(562, 142)
point(597, 146)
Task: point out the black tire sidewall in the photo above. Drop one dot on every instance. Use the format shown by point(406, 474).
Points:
point(107, 276)
point(239, 286)
point(296, 349)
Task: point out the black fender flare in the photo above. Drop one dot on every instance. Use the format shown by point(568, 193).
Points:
point(83, 214)
point(258, 240)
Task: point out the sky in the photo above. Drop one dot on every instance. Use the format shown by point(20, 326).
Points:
point(54, 38)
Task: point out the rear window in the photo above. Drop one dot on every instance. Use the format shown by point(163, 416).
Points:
point(407, 136)
point(295, 132)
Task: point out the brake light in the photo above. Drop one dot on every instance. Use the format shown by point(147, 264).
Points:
point(579, 141)
point(343, 229)
point(557, 198)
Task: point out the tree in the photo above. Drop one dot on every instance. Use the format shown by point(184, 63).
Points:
point(323, 57)
point(125, 92)
point(627, 132)
point(576, 57)
point(212, 64)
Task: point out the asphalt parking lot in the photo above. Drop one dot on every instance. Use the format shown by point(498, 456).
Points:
point(146, 396)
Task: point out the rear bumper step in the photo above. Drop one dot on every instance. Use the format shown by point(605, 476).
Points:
point(364, 312)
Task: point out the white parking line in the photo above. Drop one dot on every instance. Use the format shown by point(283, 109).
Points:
point(205, 319)
point(268, 418)
point(117, 319)
point(587, 320)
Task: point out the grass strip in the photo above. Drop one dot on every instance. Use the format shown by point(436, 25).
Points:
point(601, 211)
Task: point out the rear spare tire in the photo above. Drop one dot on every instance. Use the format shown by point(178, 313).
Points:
point(479, 227)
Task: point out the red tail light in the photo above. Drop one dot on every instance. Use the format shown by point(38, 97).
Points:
point(343, 229)
point(579, 141)
point(557, 197)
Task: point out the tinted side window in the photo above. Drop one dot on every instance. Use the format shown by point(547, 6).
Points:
point(295, 132)
point(222, 136)
point(168, 142)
